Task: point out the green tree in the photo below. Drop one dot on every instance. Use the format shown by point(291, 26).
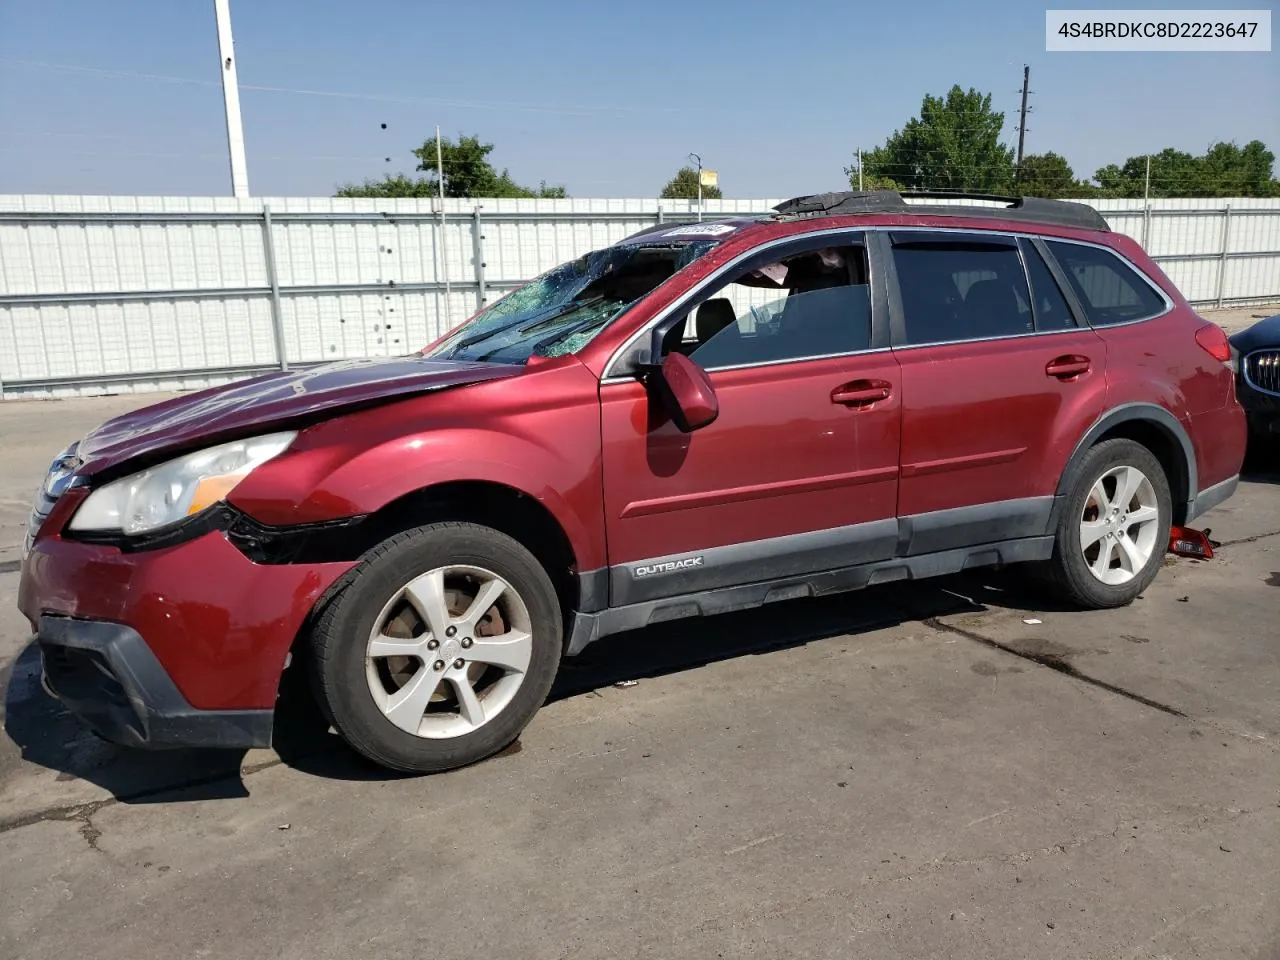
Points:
point(1046, 175)
point(392, 185)
point(870, 181)
point(467, 174)
point(953, 145)
point(684, 186)
point(1231, 171)
point(1174, 173)
point(1224, 170)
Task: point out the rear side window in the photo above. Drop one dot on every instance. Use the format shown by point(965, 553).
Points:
point(1109, 290)
point(958, 291)
point(1051, 310)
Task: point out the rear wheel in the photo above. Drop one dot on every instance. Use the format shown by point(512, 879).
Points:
point(439, 648)
point(1114, 528)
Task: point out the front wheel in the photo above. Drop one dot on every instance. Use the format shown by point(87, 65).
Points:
point(1114, 528)
point(438, 648)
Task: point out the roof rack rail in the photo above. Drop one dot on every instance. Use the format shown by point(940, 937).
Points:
point(1063, 213)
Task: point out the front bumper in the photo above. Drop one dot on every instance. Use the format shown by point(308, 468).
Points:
point(107, 676)
point(1260, 407)
point(182, 645)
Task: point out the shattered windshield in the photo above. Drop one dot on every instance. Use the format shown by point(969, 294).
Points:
point(562, 310)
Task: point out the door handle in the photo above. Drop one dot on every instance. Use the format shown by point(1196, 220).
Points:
point(861, 393)
point(1067, 368)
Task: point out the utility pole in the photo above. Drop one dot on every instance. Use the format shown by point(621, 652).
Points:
point(231, 99)
point(860, 170)
point(698, 160)
point(1022, 118)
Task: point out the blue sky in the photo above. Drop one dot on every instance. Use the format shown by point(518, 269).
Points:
point(606, 98)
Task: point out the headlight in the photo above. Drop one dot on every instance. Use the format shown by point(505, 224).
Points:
point(172, 491)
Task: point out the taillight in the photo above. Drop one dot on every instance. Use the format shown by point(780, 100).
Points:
point(1214, 342)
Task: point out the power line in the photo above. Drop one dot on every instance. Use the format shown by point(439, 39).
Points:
point(577, 110)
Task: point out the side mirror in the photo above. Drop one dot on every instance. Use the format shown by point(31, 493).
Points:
point(686, 392)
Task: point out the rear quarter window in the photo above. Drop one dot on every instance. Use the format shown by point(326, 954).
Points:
point(1109, 290)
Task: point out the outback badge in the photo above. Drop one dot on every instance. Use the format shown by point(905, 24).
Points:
point(668, 566)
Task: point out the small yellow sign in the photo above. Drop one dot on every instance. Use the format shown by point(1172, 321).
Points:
point(710, 178)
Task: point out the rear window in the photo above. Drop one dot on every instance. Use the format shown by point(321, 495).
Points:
point(1109, 290)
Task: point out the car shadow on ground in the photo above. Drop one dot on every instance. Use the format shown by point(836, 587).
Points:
point(49, 737)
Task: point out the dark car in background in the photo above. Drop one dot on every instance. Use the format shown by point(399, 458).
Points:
point(1257, 362)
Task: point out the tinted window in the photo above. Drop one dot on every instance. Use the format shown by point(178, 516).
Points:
point(1109, 291)
point(815, 304)
point(952, 292)
point(1051, 309)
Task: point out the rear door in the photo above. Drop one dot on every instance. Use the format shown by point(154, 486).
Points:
point(999, 381)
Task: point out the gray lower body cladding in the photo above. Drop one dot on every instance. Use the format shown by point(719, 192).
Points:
point(739, 576)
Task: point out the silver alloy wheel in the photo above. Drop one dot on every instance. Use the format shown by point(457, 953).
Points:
point(1119, 525)
point(449, 651)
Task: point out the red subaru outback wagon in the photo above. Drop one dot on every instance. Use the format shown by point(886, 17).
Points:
point(703, 417)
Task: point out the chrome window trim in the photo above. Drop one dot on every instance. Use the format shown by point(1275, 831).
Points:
point(771, 363)
point(1010, 336)
point(693, 292)
point(1244, 369)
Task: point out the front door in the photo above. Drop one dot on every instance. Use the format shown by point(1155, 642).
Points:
point(798, 474)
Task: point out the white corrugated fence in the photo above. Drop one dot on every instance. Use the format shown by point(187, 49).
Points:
point(119, 294)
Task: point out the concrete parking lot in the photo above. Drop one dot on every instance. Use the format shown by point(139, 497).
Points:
point(945, 769)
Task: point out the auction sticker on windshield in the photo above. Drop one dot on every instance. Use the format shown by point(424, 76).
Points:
point(704, 229)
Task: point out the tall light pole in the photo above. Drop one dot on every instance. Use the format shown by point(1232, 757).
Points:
point(231, 99)
point(698, 160)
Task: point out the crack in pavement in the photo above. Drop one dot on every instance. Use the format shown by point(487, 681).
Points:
point(83, 813)
point(1060, 665)
point(1254, 539)
point(79, 813)
point(1055, 663)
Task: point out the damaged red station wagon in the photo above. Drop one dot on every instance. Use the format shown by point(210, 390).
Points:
point(701, 418)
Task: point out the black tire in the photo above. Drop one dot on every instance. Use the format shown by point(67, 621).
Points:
point(1068, 573)
point(340, 636)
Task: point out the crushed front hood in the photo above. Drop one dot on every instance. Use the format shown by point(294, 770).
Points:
point(275, 400)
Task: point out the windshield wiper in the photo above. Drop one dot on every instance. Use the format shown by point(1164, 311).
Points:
point(580, 305)
point(475, 338)
point(574, 329)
